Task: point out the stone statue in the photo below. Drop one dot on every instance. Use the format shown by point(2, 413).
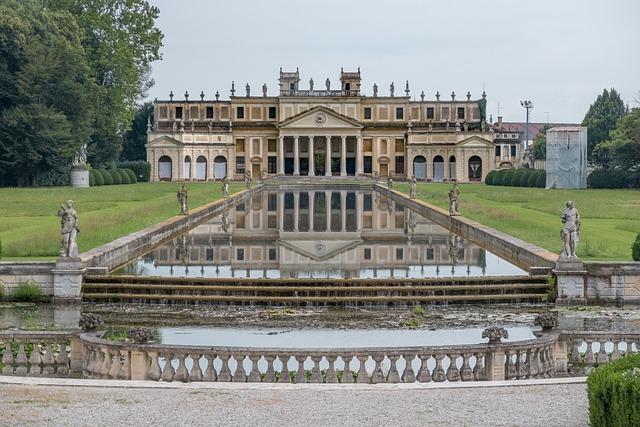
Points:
point(431, 125)
point(465, 125)
point(311, 83)
point(69, 230)
point(389, 181)
point(247, 88)
point(391, 89)
point(182, 199)
point(457, 125)
point(80, 159)
point(247, 179)
point(264, 90)
point(454, 193)
point(375, 90)
point(174, 127)
point(413, 188)
point(376, 176)
point(446, 124)
point(225, 186)
point(570, 230)
point(328, 83)
point(225, 221)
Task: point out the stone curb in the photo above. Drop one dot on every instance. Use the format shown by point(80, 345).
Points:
point(69, 382)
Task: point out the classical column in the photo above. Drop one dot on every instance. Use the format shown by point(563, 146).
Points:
point(343, 157)
point(281, 211)
point(296, 156)
point(296, 210)
point(359, 206)
point(359, 159)
point(281, 155)
point(312, 161)
point(312, 198)
point(447, 168)
point(343, 210)
point(327, 208)
point(327, 160)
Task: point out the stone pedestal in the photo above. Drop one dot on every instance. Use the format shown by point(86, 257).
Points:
point(67, 280)
point(79, 177)
point(571, 279)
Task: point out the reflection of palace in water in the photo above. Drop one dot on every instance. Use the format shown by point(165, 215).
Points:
point(329, 233)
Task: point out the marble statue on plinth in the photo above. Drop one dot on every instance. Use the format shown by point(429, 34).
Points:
point(225, 186)
point(389, 181)
point(182, 199)
point(454, 194)
point(247, 179)
point(570, 233)
point(80, 159)
point(413, 188)
point(69, 230)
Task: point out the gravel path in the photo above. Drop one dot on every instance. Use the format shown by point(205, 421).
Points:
point(531, 405)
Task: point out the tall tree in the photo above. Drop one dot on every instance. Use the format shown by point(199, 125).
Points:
point(136, 138)
point(602, 117)
point(625, 139)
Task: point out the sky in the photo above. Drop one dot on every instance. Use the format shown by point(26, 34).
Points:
point(558, 54)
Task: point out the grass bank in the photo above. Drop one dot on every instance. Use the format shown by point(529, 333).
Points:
point(30, 227)
point(610, 218)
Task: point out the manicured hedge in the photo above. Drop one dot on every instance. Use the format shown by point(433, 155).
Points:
point(115, 176)
point(98, 179)
point(607, 178)
point(106, 177)
point(523, 177)
point(614, 393)
point(635, 249)
point(131, 175)
point(140, 168)
point(490, 177)
point(124, 178)
point(92, 178)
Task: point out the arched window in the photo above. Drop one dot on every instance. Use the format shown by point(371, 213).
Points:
point(475, 168)
point(438, 169)
point(420, 167)
point(201, 168)
point(219, 167)
point(164, 168)
point(452, 167)
point(187, 167)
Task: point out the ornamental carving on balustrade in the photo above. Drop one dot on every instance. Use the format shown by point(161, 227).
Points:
point(140, 335)
point(495, 334)
point(546, 321)
point(90, 322)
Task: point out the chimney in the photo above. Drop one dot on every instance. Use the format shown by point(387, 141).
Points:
point(499, 120)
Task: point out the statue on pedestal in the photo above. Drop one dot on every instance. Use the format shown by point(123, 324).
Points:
point(328, 84)
point(182, 196)
point(311, 83)
point(391, 89)
point(454, 193)
point(389, 181)
point(80, 159)
point(264, 90)
point(225, 186)
point(413, 188)
point(69, 230)
point(247, 88)
point(375, 90)
point(570, 233)
point(247, 179)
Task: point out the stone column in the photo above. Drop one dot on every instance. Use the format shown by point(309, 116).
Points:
point(327, 160)
point(571, 276)
point(281, 155)
point(359, 208)
point(494, 364)
point(343, 156)
point(312, 199)
point(138, 365)
point(359, 155)
point(312, 162)
point(327, 208)
point(343, 210)
point(559, 355)
point(296, 210)
point(296, 156)
point(67, 279)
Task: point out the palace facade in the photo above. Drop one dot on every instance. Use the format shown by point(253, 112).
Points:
point(321, 132)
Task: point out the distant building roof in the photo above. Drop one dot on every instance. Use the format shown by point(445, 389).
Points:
point(534, 128)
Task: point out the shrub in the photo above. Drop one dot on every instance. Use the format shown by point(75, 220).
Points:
point(523, 175)
point(99, 180)
point(614, 393)
point(635, 249)
point(542, 179)
point(92, 178)
point(515, 177)
point(608, 178)
point(533, 178)
point(124, 178)
point(115, 176)
point(499, 177)
point(1, 290)
point(132, 176)
point(28, 291)
point(489, 178)
point(140, 168)
point(106, 177)
point(508, 176)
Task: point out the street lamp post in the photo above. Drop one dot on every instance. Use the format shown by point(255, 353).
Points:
point(528, 105)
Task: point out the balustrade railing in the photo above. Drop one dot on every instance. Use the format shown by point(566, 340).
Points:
point(40, 353)
point(587, 350)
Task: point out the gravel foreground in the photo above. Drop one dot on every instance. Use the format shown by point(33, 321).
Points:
point(535, 405)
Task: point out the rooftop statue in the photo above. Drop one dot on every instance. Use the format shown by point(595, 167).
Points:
point(311, 83)
point(391, 89)
point(69, 230)
point(264, 90)
point(375, 90)
point(328, 83)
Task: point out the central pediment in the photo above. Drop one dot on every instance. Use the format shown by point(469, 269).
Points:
point(476, 142)
point(320, 250)
point(320, 118)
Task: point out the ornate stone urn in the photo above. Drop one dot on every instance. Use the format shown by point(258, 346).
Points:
point(495, 334)
point(140, 335)
point(90, 322)
point(547, 321)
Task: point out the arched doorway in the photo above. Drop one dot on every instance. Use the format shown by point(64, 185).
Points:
point(219, 167)
point(475, 168)
point(420, 167)
point(201, 168)
point(452, 167)
point(438, 169)
point(164, 168)
point(187, 167)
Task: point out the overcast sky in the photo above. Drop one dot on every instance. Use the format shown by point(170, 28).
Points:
point(559, 54)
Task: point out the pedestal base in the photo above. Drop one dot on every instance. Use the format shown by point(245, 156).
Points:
point(67, 280)
point(571, 279)
point(79, 178)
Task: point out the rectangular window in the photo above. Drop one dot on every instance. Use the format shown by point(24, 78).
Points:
point(209, 112)
point(271, 145)
point(461, 112)
point(178, 112)
point(399, 164)
point(497, 151)
point(367, 113)
point(367, 253)
point(272, 202)
point(240, 145)
point(209, 254)
point(272, 112)
point(399, 113)
point(272, 164)
point(399, 254)
point(513, 151)
point(367, 203)
point(430, 113)
point(272, 254)
point(367, 164)
point(240, 254)
point(429, 253)
point(399, 145)
point(240, 164)
point(256, 146)
point(240, 112)
point(366, 145)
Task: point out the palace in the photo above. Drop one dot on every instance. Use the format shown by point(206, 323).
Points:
point(321, 132)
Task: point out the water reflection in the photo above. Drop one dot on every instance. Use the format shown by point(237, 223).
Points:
point(320, 234)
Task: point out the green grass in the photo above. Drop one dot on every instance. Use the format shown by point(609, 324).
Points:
point(30, 227)
point(610, 218)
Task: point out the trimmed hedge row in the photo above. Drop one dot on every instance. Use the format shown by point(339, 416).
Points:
point(614, 393)
point(523, 177)
point(141, 169)
point(98, 177)
point(607, 178)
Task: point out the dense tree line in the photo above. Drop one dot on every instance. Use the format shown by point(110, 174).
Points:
point(72, 72)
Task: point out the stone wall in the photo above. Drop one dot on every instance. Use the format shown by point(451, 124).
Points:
point(613, 281)
point(12, 273)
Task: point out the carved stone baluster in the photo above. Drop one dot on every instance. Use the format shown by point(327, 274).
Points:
point(154, 371)
point(393, 376)
point(225, 371)
point(479, 372)
point(629, 350)
point(377, 376)
point(408, 376)
point(62, 359)
point(332, 377)
point(168, 371)
point(362, 377)
point(510, 366)
point(438, 372)
point(575, 368)
point(347, 374)
point(589, 359)
point(453, 373)
point(254, 373)
point(602, 357)
point(240, 375)
point(7, 359)
point(615, 353)
point(301, 373)
point(466, 374)
point(181, 374)
point(424, 376)
point(48, 361)
point(21, 360)
point(92, 363)
point(196, 370)
point(210, 374)
point(316, 375)
point(521, 368)
point(534, 357)
point(285, 376)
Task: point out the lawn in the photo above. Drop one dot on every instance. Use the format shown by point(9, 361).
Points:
point(30, 227)
point(610, 218)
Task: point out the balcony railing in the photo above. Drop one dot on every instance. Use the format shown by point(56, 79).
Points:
point(319, 93)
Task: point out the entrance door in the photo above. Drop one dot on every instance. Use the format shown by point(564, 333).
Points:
point(201, 168)
point(164, 168)
point(384, 170)
point(420, 167)
point(255, 170)
point(219, 167)
point(438, 169)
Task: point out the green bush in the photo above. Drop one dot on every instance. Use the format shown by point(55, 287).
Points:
point(124, 177)
point(132, 176)
point(508, 176)
point(524, 177)
point(515, 177)
point(614, 393)
point(608, 178)
point(542, 179)
point(1, 290)
point(489, 178)
point(635, 249)
point(115, 176)
point(28, 291)
point(533, 178)
point(92, 178)
point(99, 180)
point(140, 168)
point(106, 177)
point(499, 177)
